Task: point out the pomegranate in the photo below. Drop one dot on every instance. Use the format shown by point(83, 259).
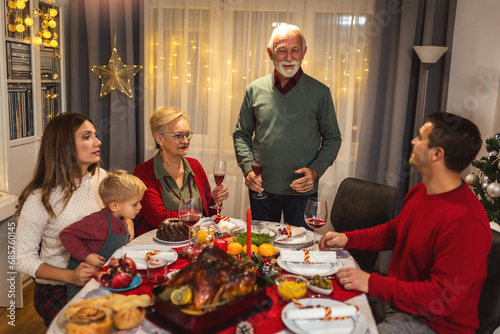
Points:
point(121, 280)
point(128, 265)
point(120, 273)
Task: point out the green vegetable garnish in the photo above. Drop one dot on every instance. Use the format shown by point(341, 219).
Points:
point(257, 238)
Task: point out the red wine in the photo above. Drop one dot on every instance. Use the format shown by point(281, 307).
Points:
point(218, 179)
point(190, 219)
point(257, 169)
point(315, 223)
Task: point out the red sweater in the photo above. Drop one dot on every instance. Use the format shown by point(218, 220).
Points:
point(88, 235)
point(153, 211)
point(438, 268)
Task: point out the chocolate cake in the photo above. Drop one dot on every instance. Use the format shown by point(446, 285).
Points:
point(172, 230)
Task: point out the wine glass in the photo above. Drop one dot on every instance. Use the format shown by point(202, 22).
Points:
point(315, 215)
point(219, 173)
point(190, 213)
point(257, 169)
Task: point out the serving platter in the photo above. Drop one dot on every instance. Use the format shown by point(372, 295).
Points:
point(168, 316)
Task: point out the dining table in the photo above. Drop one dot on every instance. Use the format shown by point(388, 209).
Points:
point(262, 321)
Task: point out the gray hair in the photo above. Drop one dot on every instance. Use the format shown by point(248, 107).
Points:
point(283, 30)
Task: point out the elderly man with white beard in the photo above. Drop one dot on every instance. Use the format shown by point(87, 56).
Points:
point(290, 118)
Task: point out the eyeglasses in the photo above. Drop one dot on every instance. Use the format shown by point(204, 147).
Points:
point(180, 136)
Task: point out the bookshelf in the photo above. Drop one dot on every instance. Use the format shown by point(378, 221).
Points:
point(31, 85)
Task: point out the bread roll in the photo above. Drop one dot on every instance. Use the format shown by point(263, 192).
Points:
point(128, 318)
point(89, 320)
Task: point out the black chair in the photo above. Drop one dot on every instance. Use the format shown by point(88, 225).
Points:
point(489, 302)
point(361, 204)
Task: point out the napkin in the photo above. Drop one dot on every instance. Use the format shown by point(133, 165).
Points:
point(223, 223)
point(139, 257)
point(314, 256)
point(295, 231)
point(320, 312)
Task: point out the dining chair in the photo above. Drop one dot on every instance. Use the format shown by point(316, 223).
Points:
point(489, 302)
point(361, 204)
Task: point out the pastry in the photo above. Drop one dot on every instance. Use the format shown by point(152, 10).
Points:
point(89, 320)
point(128, 318)
point(172, 230)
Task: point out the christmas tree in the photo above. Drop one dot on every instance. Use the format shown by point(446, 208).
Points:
point(485, 183)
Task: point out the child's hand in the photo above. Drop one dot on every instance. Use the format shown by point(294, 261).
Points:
point(95, 259)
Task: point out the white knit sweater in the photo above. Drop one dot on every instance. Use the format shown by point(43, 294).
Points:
point(35, 226)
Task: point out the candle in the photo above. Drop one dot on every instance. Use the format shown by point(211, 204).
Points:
point(249, 233)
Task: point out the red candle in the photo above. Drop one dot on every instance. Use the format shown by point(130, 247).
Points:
point(249, 233)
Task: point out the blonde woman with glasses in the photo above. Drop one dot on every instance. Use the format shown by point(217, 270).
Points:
point(170, 175)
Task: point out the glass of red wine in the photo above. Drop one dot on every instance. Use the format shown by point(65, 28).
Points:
point(315, 215)
point(219, 173)
point(190, 214)
point(257, 169)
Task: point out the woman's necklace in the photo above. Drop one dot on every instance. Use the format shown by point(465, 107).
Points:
point(168, 184)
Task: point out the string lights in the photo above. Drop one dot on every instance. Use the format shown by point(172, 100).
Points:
point(20, 22)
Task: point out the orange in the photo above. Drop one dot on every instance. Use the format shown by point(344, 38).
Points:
point(253, 249)
point(266, 250)
point(234, 248)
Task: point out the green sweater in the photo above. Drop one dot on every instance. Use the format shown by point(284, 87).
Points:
point(295, 130)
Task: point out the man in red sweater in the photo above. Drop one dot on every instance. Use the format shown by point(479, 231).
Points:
point(440, 239)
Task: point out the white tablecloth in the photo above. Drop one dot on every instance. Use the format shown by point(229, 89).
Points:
point(93, 289)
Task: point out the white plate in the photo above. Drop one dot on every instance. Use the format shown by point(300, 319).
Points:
point(171, 243)
point(296, 239)
point(307, 237)
point(310, 269)
point(140, 265)
point(318, 326)
point(224, 226)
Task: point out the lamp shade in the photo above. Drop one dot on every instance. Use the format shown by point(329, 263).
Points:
point(429, 55)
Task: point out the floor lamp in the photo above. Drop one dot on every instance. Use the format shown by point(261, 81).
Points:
point(428, 56)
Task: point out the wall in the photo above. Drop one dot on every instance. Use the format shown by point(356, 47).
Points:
point(475, 65)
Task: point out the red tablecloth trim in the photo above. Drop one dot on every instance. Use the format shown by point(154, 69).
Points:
point(266, 322)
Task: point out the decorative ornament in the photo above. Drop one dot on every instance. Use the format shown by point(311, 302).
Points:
point(485, 185)
point(115, 75)
point(37, 40)
point(244, 327)
point(497, 136)
point(493, 153)
point(53, 43)
point(21, 5)
point(493, 189)
point(28, 21)
point(53, 12)
point(472, 180)
point(52, 23)
point(47, 34)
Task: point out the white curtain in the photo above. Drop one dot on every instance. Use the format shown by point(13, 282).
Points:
point(200, 55)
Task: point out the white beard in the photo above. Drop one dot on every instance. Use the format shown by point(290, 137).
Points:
point(290, 72)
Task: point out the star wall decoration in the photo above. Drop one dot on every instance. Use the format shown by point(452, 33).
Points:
point(115, 75)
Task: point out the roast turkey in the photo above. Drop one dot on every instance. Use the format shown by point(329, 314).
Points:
point(215, 278)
